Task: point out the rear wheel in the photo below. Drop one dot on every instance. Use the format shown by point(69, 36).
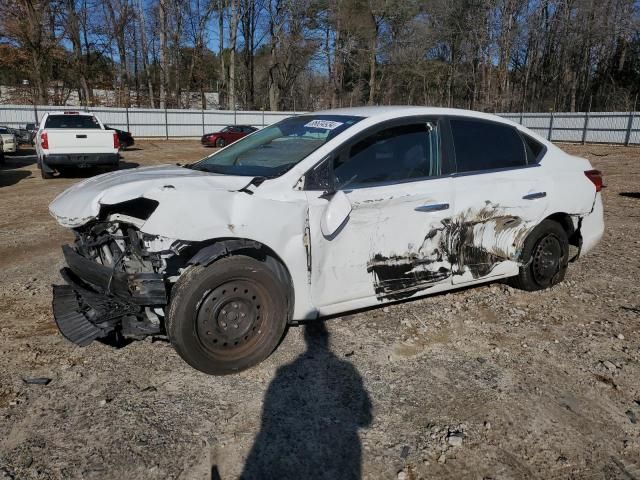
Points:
point(545, 258)
point(227, 317)
point(220, 143)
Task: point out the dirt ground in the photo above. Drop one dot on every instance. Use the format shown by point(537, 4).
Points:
point(482, 383)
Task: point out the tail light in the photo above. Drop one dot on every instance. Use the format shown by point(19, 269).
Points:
point(44, 141)
point(116, 141)
point(596, 178)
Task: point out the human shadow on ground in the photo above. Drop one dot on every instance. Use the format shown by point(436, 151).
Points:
point(311, 415)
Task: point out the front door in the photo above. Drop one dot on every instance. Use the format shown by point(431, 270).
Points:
point(395, 179)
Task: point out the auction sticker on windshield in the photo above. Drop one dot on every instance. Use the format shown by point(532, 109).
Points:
point(326, 124)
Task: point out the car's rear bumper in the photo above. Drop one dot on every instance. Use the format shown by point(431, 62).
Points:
point(81, 159)
point(592, 227)
point(96, 298)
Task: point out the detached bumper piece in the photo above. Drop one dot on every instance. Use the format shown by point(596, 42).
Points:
point(71, 322)
point(98, 302)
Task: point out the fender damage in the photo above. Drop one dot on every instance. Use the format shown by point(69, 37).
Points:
point(128, 254)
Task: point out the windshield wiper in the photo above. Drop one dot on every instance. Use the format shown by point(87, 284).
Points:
point(204, 168)
point(256, 181)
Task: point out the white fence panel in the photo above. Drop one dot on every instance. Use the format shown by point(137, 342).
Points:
point(602, 127)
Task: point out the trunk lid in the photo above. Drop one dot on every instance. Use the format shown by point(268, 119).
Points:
point(69, 141)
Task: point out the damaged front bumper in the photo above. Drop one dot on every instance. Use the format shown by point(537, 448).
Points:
point(99, 302)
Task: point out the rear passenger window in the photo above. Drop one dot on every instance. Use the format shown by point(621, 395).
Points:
point(71, 121)
point(484, 145)
point(395, 154)
point(535, 150)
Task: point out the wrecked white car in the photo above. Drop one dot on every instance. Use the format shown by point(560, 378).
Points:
point(316, 215)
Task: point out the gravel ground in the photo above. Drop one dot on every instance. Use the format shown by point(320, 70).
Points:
point(488, 382)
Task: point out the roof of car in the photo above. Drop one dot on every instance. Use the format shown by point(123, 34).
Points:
point(394, 111)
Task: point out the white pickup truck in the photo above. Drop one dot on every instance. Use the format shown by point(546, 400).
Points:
point(74, 139)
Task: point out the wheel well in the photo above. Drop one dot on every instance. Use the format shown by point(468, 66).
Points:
point(205, 253)
point(566, 222)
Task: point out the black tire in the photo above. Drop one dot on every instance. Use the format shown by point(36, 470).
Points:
point(545, 258)
point(228, 316)
point(220, 143)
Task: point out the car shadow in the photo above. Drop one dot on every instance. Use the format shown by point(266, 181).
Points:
point(23, 151)
point(630, 194)
point(11, 177)
point(20, 159)
point(311, 415)
point(124, 165)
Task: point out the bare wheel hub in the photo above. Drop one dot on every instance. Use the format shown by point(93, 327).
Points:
point(229, 316)
point(546, 259)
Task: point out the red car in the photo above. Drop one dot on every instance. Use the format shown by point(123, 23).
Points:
point(227, 135)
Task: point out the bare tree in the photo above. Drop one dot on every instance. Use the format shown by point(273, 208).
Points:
point(164, 54)
point(480, 54)
point(233, 39)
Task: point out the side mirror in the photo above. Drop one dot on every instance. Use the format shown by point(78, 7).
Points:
point(335, 214)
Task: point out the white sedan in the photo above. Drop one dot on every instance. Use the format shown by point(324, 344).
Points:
point(9, 141)
point(316, 215)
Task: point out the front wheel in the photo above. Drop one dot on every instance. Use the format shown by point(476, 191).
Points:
point(220, 143)
point(545, 258)
point(228, 316)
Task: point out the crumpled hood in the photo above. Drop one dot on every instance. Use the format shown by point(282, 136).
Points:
point(81, 203)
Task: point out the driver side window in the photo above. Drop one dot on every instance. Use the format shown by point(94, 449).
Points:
point(395, 154)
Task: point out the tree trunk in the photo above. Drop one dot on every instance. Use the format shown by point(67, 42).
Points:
point(222, 4)
point(145, 52)
point(275, 27)
point(73, 28)
point(372, 65)
point(233, 35)
point(164, 67)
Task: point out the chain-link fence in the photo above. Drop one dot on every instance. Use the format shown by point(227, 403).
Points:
point(594, 127)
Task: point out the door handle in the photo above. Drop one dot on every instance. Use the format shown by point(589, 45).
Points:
point(435, 207)
point(533, 196)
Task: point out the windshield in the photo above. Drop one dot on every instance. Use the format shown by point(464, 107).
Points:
point(275, 149)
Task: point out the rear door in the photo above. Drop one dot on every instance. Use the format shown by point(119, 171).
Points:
point(500, 195)
point(396, 180)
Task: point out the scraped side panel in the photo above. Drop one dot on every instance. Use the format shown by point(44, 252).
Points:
point(471, 244)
